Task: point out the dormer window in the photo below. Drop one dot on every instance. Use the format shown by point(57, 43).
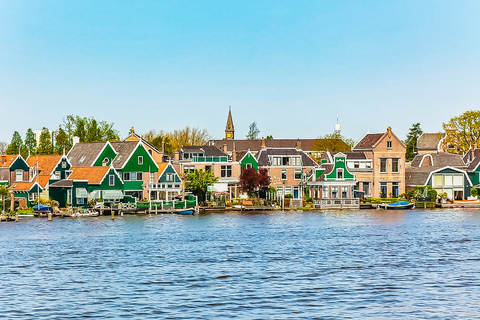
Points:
point(140, 160)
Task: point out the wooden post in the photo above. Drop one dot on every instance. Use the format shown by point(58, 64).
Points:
point(16, 217)
point(113, 215)
point(49, 216)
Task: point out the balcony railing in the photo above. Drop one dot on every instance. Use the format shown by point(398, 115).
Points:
point(337, 203)
point(209, 159)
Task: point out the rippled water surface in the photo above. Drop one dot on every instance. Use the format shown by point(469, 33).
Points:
point(330, 265)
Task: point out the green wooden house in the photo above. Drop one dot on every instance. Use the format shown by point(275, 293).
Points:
point(332, 185)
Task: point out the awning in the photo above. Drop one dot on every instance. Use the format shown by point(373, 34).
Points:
point(81, 193)
point(95, 194)
point(112, 194)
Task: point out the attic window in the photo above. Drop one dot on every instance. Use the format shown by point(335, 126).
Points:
point(82, 159)
point(64, 164)
point(389, 144)
point(140, 160)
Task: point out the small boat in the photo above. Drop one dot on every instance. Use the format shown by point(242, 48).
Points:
point(85, 214)
point(42, 208)
point(400, 205)
point(186, 211)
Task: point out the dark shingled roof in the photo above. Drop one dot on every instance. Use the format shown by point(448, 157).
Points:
point(472, 158)
point(368, 141)
point(355, 155)
point(440, 159)
point(124, 151)
point(62, 183)
point(417, 176)
point(84, 154)
point(429, 141)
point(262, 156)
point(208, 151)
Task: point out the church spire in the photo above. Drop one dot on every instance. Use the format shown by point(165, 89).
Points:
point(229, 129)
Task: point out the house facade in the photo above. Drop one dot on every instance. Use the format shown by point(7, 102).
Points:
point(331, 185)
point(386, 154)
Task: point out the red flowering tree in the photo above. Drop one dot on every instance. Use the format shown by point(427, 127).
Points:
point(252, 181)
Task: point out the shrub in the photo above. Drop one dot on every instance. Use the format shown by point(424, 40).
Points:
point(474, 192)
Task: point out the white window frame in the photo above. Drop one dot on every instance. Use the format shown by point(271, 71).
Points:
point(19, 175)
point(284, 174)
point(111, 180)
point(140, 160)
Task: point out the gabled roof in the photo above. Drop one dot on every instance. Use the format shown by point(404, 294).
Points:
point(242, 155)
point(415, 176)
point(368, 141)
point(85, 153)
point(163, 166)
point(94, 175)
point(429, 141)
point(438, 159)
point(124, 151)
point(7, 160)
point(472, 159)
point(46, 163)
point(24, 186)
point(263, 156)
point(135, 137)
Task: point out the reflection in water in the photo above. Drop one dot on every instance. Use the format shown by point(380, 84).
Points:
point(370, 264)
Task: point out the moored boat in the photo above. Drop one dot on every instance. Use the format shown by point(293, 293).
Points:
point(186, 211)
point(399, 205)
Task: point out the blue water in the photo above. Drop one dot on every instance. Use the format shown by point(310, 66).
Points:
point(332, 265)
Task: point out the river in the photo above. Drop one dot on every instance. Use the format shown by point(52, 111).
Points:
point(375, 264)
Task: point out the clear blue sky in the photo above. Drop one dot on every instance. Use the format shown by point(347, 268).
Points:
point(291, 66)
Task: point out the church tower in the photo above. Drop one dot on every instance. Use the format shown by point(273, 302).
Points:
point(229, 129)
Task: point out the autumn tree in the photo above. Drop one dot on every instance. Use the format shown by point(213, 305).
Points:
point(198, 181)
point(160, 140)
point(466, 130)
point(16, 144)
point(253, 131)
point(188, 137)
point(411, 141)
point(252, 181)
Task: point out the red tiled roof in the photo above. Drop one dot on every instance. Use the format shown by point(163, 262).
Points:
point(46, 163)
point(94, 175)
point(7, 160)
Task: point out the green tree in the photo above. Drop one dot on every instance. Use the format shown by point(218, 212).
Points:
point(16, 144)
point(466, 129)
point(61, 141)
point(88, 130)
point(269, 137)
point(333, 143)
point(4, 195)
point(411, 141)
point(45, 145)
point(198, 181)
point(253, 131)
point(30, 142)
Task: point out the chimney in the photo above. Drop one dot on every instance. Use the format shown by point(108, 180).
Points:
point(4, 157)
point(176, 156)
point(163, 147)
point(263, 144)
point(299, 145)
point(225, 148)
point(234, 156)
